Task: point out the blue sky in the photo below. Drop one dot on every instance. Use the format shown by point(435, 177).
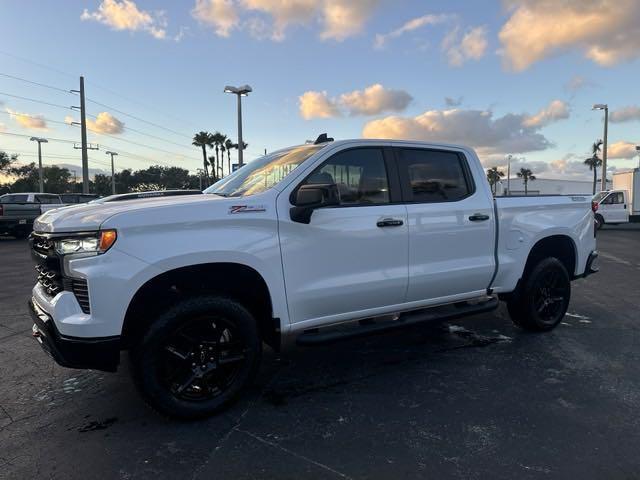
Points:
point(519, 82)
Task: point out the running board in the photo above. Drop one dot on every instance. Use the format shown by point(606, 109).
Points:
point(408, 319)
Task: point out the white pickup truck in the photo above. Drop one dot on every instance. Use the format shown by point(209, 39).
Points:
point(307, 245)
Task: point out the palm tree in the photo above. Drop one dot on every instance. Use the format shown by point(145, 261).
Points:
point(493, 176)
point(594, 162)
point(218, 141)
point(526, 175)
point(203, 140)
point(228, 144)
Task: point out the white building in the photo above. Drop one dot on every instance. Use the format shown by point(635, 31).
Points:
point(547, 186)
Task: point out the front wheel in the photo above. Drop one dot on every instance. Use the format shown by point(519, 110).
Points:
point(196, 358)
point(542, 298)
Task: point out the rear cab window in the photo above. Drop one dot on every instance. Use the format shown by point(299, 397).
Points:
point(431, 176)
point(48, 199)
point(14, 199)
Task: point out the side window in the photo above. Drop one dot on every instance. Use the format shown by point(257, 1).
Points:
point(433, 176)
point(620, 196)
point(47, 199)
point(14, 199)
point(360, 175)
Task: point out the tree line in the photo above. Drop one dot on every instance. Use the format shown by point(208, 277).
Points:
point(24, 178)
point(217, 143)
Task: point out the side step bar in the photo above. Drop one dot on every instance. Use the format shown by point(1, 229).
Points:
point(370, 327)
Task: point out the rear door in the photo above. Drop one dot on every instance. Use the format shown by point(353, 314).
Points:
point(451, 225)
point(351, 259)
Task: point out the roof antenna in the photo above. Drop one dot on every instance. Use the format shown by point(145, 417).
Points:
point(322, 138)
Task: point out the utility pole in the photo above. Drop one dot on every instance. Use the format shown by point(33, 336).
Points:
point(83, 137)
point(40, 175)
point(605, 107)
point(509, 157)
point(113, 173)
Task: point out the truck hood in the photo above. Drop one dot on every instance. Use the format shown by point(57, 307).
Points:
point(88, 217)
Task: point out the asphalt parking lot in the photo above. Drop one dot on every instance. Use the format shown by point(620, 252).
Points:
point(474, 398)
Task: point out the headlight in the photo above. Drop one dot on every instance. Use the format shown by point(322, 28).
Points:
point(91, 243)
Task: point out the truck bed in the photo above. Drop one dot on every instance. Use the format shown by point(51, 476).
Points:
point(523, 220)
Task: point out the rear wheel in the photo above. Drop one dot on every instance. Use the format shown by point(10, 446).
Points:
point(197, 358)
point(542, 298)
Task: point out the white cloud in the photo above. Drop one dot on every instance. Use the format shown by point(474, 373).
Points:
point(476, 128)
point(606, 31)
point(105, 123)
point(624, 150)
point(219, 14)
point(373, 100)
point(409, 26)
point(317, 105)
point(33, 122)
point(345, 18)
point(125, 15)
point(340, 19)
point(625, 114)
point(472, 46)
point(556, 110)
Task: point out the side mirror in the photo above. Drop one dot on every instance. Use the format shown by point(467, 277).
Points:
point(309, 197)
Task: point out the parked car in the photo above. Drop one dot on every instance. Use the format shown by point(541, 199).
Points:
point(76, 198)
point(611, 206)
point(299, 246)
point(141, 195)
point(622, 203)
point(19, 210)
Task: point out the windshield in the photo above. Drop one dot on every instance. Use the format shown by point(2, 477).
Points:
point(599, 196)
point(263, 173)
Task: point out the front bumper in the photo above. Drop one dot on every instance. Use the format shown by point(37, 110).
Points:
point(592, 264)
point(73, 352)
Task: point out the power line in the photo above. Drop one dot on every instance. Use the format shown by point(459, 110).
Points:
point(142, 145)
point(41, 65)
point(35, 100)
point(138, 118)
point(62, 140)
point(35, 83)
point(37, 117)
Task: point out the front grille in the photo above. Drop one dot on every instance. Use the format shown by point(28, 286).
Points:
point(49, 268)
point(50, 280)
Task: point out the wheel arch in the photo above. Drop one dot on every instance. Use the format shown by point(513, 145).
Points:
point(561, 246)
point(235, 280)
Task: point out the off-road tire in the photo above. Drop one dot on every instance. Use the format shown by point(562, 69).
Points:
point(148, 356)
point(525, 304)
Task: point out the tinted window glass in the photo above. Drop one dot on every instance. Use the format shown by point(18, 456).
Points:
point(47, 199)
point(14, 199)
point(360, 175)
point(433, 176)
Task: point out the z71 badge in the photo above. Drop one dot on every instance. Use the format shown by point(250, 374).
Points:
point(247, 208)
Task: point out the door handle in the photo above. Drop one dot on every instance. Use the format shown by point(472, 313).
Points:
point(389, 222)
point(478, 217)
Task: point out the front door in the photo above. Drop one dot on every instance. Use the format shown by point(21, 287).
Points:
point(613, 208)
point(350, 259)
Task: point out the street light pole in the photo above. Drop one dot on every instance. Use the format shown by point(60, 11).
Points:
point(113, 173)
point(605, 107)
point(40, 176)
point(240, 92)
point(509, 174)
